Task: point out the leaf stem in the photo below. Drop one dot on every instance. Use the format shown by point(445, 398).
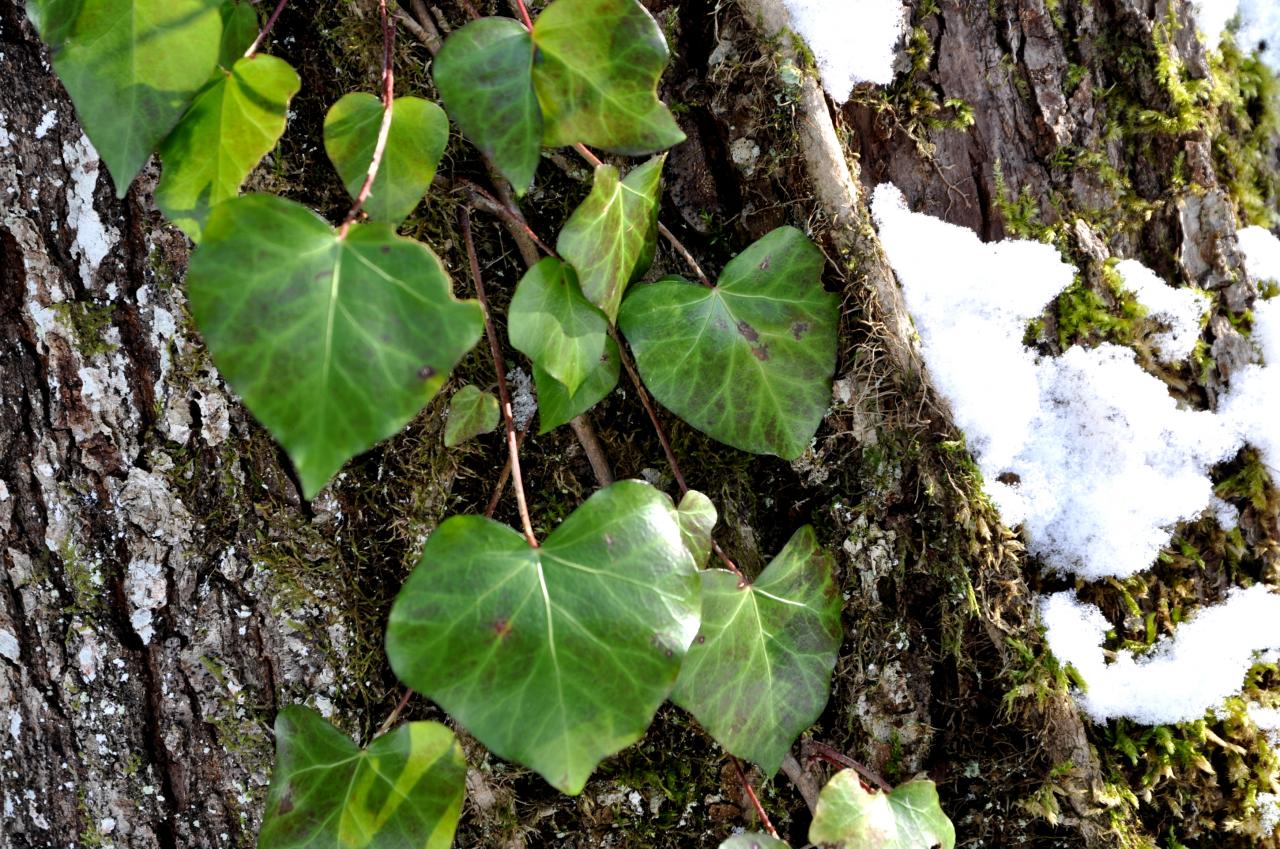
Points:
point(649, 408)
point(513, 447)
point(509, 213)
point(384, 130)
point(266, 28)
point(755, 800)
point(395, 714)
point(524, 13)
point(835, 756)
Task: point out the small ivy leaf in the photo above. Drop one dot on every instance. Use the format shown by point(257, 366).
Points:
point(554, 657)
point(405, 789)
point(551, 323)
point(416, 141)
point(239, 29)
point(849, 816)
point(749, 361)
point(233, 123)
point(596, 73)
point(484, 75)
point(759, 672)
point(753, 840)
point(697, 517)
point(332, 343)
point(132, 67)
point(609, 240)
point(556, 405)
point(471, 413)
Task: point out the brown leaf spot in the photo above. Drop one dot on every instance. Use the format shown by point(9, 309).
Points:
point(760, 352)
point(764, 264)
point(748, 331)
point(386, 249)
point(701, 639)
point(286, 801)
point(501, 627)
point(426, 372)
point(799, 329)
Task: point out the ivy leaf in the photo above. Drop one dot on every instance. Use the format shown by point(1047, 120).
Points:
point(749, 361)
point(239, 29)
point(132, 67)
point(484, 74)
point(405, 789)
point(556, 405)
point(471, 413)
point(232, 124)
point(333, 343)
point(415, 142)
point(555, 657)
point(849, 816)
point(759, 672)
point(596, 73)
point(697, 516)
point(753, 840)
point(551, 323)
point(610, 237)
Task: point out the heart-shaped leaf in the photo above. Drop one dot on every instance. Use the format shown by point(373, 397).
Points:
point(555, 657)
point(596, 73)
point(484, 74)
point(609, 240)
point(333, 343)
point(551, 323)
point(132, 67)
point(556, 405)
point(404, 790)
point(239, 29)
point(849, 816)
point(753, 840)
point(415, 142)
point(749, 361)
point(759, 672)
point(233, 123)
point(471, 413)
point(697, 516)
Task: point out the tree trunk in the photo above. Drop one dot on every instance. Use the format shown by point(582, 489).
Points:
point(165, 588)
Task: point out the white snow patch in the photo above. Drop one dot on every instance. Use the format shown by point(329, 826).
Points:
point(1261, 253)
point(1181, 310)
point(46, 123)
point(853, 41)
point(1181, 677)
point(1226, 513)
point(1268, 812)
point(1259, 25)
point(1252, 403)
point(93, 239)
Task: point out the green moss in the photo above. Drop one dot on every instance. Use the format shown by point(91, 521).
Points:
point(1245, 151)
point(1090, 316)
point(90, 322)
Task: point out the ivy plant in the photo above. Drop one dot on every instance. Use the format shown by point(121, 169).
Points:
point(557, 653)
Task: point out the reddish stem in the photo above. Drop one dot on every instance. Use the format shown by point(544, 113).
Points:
point(755, 801)
point(395, 714)
point(513, 447)
point(384, 130)
point(649, 408)
point(271, 21)
point(835, 756)
point(524, 13)
point(507, 212)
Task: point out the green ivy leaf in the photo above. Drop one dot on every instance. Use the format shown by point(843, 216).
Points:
point(609, 240)
point(555, 657)
point(484, 74)
point(415, 142)
point(471, 413)
point(749, 361)
point(239, 29)
point(697, 516)
point(232, 124)
point(333, 343)
point(596, 73)
point(404, 790)
point(551, 323)
point(849, 816)
point(556, 405)
point(759, 672)
point(132, 67)
point(753, 840)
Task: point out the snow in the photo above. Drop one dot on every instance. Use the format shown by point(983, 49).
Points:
point(1183, 676)
point(1261, 253)
point(1181, 310)
point(853, 41)
point(1259, 24)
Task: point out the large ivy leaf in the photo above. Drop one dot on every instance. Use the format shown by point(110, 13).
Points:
point(471, 413)
point(333, 343)
point(551, 323)
point(610, 237)
point(596, 73)
point(231, 125)
point(404, 790)
point(484, 75)
point(849, 816)
point(697, 516)
point(759, 672)
point(239, 29)
point(557, 405)
point(415, 142)
point(132, 67)
point(753, 840)
point(558, 656)
point(749, 361)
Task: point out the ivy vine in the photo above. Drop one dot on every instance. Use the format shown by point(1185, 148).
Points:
point(553, 653)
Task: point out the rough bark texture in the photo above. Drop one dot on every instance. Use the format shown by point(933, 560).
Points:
point(164, 587)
